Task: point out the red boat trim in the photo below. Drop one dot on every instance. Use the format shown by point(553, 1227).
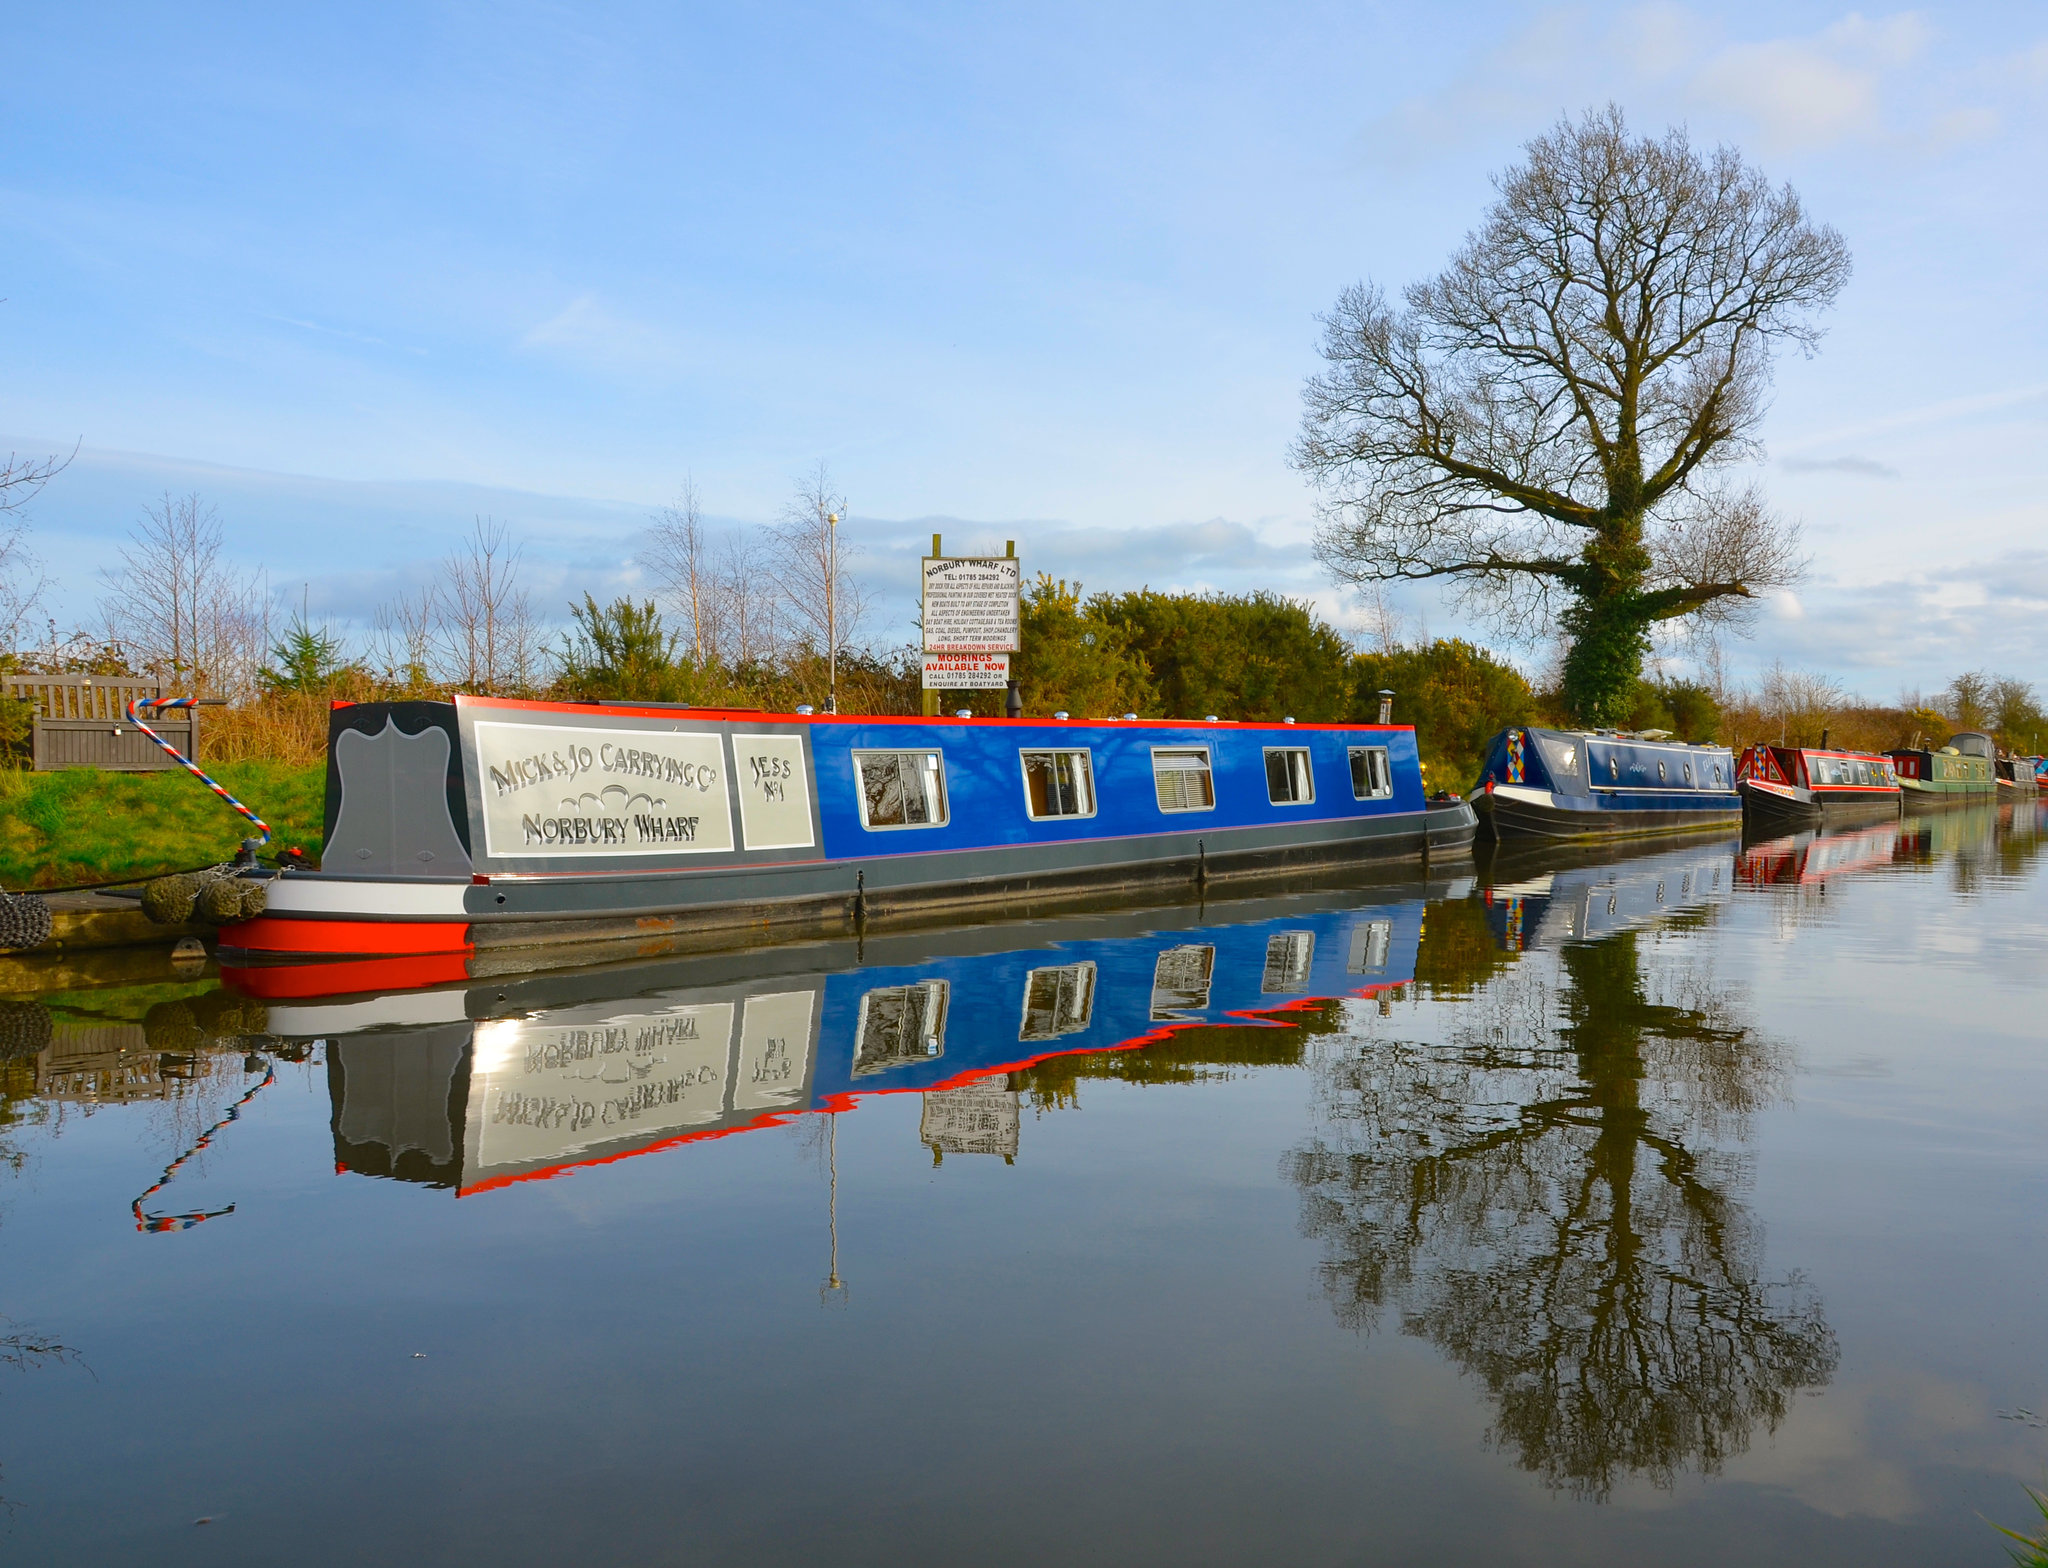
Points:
point(279, 935)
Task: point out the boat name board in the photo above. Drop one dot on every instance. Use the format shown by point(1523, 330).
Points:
point(559, 790)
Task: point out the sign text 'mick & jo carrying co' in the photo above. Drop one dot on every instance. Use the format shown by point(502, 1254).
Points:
point(559, 790)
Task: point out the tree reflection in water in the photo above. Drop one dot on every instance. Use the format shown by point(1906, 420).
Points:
point(1548, 1199)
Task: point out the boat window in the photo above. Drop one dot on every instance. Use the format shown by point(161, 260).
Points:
point(1058, 1001)
point(901, 789)
point(1183, 781)
point(900, 1024)
point(1289, 957)
point(1058, 784)
point(1289, 782)
point(1563, 758)
point(1371, 777)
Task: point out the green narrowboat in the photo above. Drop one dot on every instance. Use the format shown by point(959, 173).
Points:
point(1961, 773)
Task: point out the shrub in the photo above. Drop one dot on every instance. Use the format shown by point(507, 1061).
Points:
point(1457, 696)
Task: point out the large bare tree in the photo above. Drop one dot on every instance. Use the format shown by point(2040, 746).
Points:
point(1542, 422)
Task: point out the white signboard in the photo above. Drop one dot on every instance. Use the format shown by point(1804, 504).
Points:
point(966, 671)
point(550, 789)
point(775, 791)
point(970, 604)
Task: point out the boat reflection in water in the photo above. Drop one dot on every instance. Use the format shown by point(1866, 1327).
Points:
point(475, 1088)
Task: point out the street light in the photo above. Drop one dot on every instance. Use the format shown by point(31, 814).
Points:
point(832, 613)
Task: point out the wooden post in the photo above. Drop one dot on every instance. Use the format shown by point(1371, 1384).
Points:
point(931, 698)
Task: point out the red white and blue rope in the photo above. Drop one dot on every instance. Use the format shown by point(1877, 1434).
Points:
point(184, 761)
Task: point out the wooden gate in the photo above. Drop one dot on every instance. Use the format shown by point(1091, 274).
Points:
point(81, 721)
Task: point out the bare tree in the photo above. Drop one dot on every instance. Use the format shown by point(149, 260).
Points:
point(749, 606)
point(820, 601)
point(1802, 702)
point(488, 635)
point(22, 582)
point(681, 555)
point(180, 610)
point(1540, 424)
point(403, 634)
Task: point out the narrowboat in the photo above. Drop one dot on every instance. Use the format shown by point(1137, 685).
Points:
point(486, 835)
point(1539, 783)
point(1801, 786)
point(475, 1088)
point(1960, 773)
point(2017, 779)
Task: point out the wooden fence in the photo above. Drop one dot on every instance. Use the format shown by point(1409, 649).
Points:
point(81, 721)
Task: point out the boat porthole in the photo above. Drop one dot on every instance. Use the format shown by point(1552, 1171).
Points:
point(1614, 767)
point(1662, 776)
point(501, 898)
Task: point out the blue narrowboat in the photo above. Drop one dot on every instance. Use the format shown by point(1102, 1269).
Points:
point(486, 835)
point(1539, 783)
point(477, 1087)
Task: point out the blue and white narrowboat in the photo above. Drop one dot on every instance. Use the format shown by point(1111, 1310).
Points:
point(483, 835)
point(1539, 783)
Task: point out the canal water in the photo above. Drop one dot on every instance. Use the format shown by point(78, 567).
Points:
point(1683, 1206)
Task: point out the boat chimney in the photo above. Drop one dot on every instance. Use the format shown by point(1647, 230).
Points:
point(1013, 702)
point(1386, 707)
point(1823, 737)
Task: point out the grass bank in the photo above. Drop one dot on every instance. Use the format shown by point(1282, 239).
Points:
point(82, 825)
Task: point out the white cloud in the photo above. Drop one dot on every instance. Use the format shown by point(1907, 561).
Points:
point(591, 334)
point(1860, 78)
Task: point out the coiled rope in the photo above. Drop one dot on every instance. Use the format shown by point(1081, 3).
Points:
point(185, 762)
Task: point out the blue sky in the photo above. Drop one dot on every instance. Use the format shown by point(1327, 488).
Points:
point(1039, 273)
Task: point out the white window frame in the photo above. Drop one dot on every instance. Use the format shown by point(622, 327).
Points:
point(1208, 770)
point(1085, 753)
point(1387, 773)
point(1308, 766)
point(860, 788)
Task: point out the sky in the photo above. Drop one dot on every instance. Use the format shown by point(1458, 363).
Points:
point(1050, 273)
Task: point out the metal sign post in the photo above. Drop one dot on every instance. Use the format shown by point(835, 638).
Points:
point(972, 621)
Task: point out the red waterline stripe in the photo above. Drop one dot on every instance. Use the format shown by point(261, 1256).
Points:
point(347, 938)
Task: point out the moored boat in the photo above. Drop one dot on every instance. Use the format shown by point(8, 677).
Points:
point(1800, 786)
point(1960, 773)
point(1538, 783)
point(488, 835)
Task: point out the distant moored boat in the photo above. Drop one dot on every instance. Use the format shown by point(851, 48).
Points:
point(1539, 783)
point(1961, 773)
point(1801, 786)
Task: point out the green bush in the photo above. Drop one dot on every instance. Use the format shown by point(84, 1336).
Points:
point(1457, 696)
point(1238, 656)
point(1075, 661)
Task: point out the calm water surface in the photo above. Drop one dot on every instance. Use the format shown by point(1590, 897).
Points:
point(1684, 1208)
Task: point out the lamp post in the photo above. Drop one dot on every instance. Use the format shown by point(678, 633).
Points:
point(831, 612)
